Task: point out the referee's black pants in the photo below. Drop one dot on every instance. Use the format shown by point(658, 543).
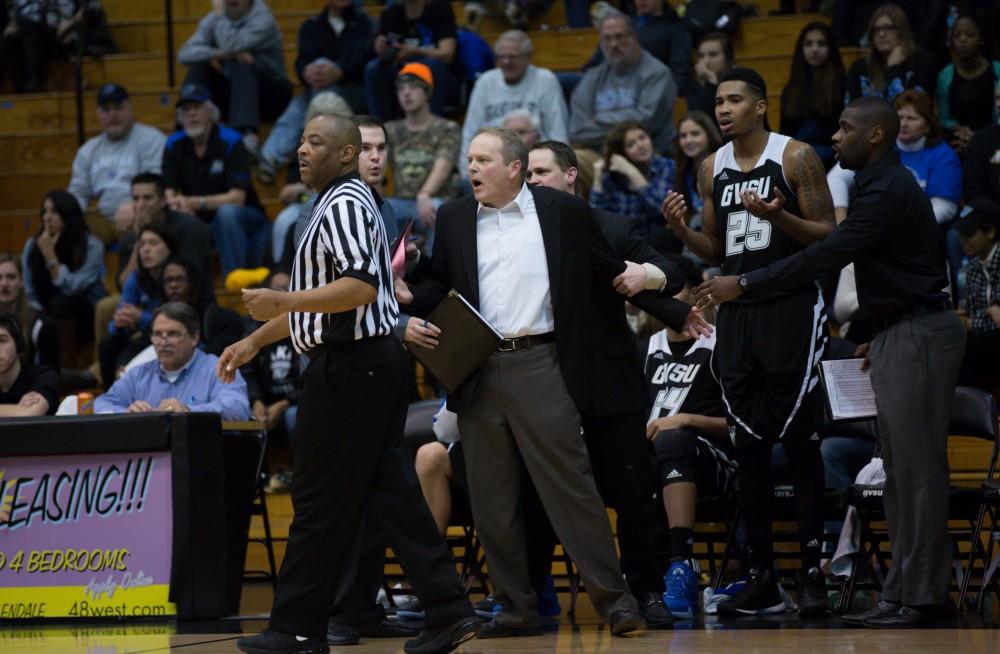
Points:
point(619, 456)
point(352, 409)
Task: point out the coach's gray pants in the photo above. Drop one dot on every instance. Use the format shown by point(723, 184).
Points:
point(914, 368)
point(523, 410)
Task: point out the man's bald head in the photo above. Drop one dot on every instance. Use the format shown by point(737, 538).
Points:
point(330, 148)
point(868, 130)
point(876, 112)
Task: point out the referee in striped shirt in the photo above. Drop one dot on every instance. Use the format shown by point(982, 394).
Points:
point(340, 311)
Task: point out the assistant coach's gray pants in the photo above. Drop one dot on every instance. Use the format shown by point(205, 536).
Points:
point(914, 368)
point(522, 408)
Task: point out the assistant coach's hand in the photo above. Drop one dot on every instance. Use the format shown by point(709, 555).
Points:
point(233, 357)
point(717, 290)
point(263, 303)
point(696, 326)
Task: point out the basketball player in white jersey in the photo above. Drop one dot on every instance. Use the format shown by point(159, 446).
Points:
point(765, 197)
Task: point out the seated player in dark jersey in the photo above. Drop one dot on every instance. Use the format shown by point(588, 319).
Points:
point(687, 427)
point(766, 197)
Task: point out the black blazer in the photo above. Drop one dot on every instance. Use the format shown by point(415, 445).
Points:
point(581, 269)
point(618, 383)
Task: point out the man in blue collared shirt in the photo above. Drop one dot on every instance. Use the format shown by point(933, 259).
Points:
point(181, 379)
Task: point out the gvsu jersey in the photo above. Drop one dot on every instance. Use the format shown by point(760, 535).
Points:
point(683, 384)
point(749, 242)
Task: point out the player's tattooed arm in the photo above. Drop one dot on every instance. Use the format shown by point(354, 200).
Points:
point(809, 177)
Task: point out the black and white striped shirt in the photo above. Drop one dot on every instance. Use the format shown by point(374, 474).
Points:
point(345, 237)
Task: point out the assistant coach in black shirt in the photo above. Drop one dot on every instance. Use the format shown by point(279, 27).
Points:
point(340, 310)
point(891, 236)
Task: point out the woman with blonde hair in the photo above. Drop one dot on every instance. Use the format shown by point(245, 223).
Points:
point(41, 337)
point(893, 63)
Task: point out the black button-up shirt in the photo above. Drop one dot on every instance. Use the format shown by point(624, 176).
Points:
point(891, 236)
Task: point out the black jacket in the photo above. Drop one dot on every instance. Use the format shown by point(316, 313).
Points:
point(584, 303)
point(351, 50)
point(618, 382)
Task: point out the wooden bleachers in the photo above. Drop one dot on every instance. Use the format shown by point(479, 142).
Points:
point(38, 132)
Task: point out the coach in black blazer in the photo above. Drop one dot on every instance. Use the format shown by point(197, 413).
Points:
point(525, 403)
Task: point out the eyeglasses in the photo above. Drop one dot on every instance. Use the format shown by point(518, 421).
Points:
point(884, 29)
point(165, 337)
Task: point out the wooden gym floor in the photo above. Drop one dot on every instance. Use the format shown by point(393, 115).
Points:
point(971, 634)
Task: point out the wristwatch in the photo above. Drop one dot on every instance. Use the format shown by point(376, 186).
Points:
point(744, 284)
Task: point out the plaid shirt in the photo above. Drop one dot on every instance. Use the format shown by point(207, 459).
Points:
point(982, 279)
point(644, 205)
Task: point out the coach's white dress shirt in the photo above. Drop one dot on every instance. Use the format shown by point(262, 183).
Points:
point(514, 291)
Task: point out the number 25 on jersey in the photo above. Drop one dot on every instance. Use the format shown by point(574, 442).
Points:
point(746, 231)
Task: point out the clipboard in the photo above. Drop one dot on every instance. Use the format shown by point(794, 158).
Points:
point(397, 251)
point(467, 340)
point(847, 389)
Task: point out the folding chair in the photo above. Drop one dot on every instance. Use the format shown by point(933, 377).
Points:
point(977, 411)
point(259, 505)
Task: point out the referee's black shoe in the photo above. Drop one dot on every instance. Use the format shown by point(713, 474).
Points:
point(760, 596)
point(275, 642)
point(880, 610)
point(444, 639)
point(813, 601)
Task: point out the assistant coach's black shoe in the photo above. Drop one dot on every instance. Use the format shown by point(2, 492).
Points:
point(494, 629)
point(881, 609)
point(813, 601)
point(908, 617)
point(655, 612)
point(275, 642)
point(445, 639)
point(388, 629)
point(341, 635)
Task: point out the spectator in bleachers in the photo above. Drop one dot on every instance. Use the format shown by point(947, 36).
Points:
point(238, 54)
point(965, 87)
point(423, 150)
point(524, 123)
point(982, 160)
point(813, 98)
point(663, 35)
point(184, 281)
point(631, 84)
point(515, 84)
point(149, 204)
point(632, 180)
point(414, 31)
point(181, 379)
point(207, 172)
point(26, 388)
point(893, 62)
point(272, 380)
point(978, 230)
point(697, 137)
point(333, 50)
point(105, 165)
point(31, 37)
point(128, 332)
point(41, 339)
point(294, 194)
point(713, 59)
point(62, 265)
point(923, 151)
